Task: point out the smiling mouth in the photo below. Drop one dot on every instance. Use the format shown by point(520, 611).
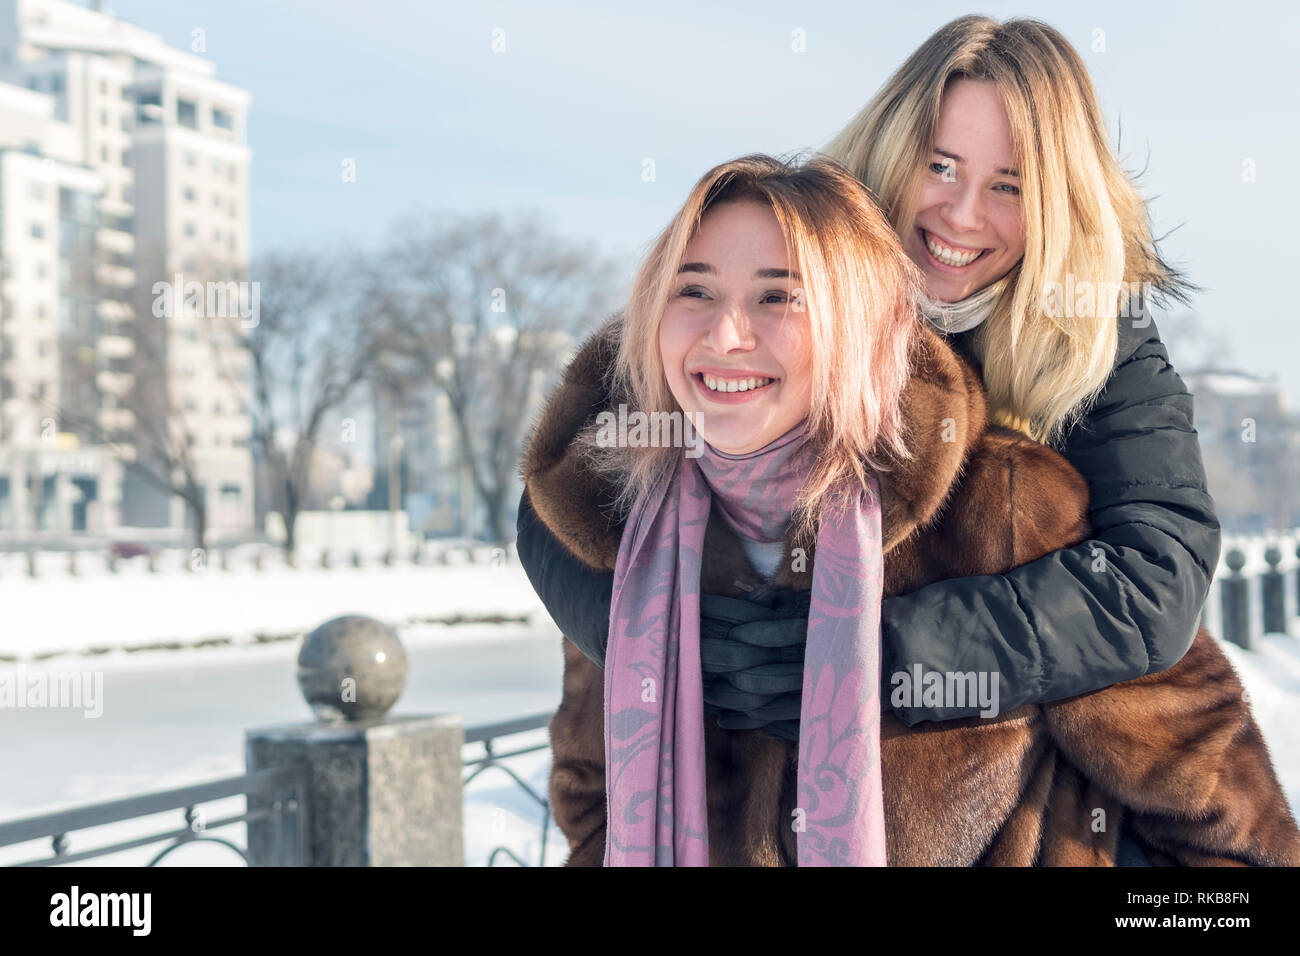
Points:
point(751, 383)
point(955, 257)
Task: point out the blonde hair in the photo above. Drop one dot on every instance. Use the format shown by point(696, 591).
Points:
point(1084, 218)
point(859, 293)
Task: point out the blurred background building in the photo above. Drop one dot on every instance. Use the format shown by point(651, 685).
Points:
point(123, 163)
point(1250, 442)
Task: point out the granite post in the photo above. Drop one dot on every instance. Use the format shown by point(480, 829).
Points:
point(379, 790)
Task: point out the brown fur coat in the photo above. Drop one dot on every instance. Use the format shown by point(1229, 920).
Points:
point(1177, 752)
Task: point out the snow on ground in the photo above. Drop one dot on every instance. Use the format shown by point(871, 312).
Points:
point(57, 613)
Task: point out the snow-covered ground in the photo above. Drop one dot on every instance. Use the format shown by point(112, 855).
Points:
point(56, 613)
point(181, 713)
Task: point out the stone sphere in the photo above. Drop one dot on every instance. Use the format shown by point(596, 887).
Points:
point(351, 668)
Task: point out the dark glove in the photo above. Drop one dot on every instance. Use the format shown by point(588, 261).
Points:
point(751, 653)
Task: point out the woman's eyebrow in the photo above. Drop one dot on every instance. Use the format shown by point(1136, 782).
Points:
point(707, 269)
point(1005, 170)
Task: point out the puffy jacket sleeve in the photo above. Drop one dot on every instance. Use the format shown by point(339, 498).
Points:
point(1126, 602)
point(577, 597)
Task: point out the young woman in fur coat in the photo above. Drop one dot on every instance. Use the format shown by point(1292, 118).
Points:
point(839, 449)
point(988, 153)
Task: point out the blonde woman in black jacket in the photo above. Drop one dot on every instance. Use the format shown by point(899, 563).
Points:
point(988, 153)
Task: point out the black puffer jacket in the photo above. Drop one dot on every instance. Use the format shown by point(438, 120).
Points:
point(1124, 604)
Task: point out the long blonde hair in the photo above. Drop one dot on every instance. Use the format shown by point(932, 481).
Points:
point(1085, 221)
point(859, 293)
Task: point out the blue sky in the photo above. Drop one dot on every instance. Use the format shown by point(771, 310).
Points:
point(560, 123)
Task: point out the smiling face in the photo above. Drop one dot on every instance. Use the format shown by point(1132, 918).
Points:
point(969, 227)
point(736, 354)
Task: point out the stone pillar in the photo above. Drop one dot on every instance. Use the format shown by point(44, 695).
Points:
point(380, 790)
point(1234, 592)
point(1273, 593)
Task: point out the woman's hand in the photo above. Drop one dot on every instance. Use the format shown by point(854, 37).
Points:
point(751, 653)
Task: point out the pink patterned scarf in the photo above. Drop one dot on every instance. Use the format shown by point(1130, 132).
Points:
point(654, 705)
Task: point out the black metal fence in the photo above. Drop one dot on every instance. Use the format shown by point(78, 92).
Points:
point(1252, 604)
point(275, 797)
point(279, 791)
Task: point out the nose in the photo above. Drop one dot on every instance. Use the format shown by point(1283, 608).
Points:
point(731, 330)
point(964, 212)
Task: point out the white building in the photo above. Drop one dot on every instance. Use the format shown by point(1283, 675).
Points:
point(161, 144)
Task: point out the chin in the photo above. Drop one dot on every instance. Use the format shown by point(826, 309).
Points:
point(731, 443)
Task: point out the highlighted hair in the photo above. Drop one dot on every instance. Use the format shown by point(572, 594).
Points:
point(1084, 218)
point(859, 298)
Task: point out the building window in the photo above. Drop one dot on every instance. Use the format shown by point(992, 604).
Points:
point(34, 83)
point(36, 190)
point(191, 160)
point(38, 231)
point(148, 107)
point(126, 158)
point(187, 114)
point(103, 117)
point(56, 83)
point(189, 194)
point(103, 154)
point(223, 119)
point(189, 229)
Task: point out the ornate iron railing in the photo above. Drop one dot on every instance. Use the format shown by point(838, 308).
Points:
point(275, 796)
point(487, 735)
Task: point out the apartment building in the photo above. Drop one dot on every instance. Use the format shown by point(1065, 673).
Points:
point(160, 146)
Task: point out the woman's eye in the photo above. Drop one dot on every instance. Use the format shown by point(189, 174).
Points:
point(773, 298)
point(692, 291)
point(940, 169)
point(1009, 189)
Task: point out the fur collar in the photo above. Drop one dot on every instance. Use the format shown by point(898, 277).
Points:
point(943, 399)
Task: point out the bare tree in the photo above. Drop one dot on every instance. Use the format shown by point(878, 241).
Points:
point(308, 350)
point(488, 309)
point(160, 444)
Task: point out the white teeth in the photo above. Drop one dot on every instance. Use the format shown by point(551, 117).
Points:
point(948, 256)
point(735, 385)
